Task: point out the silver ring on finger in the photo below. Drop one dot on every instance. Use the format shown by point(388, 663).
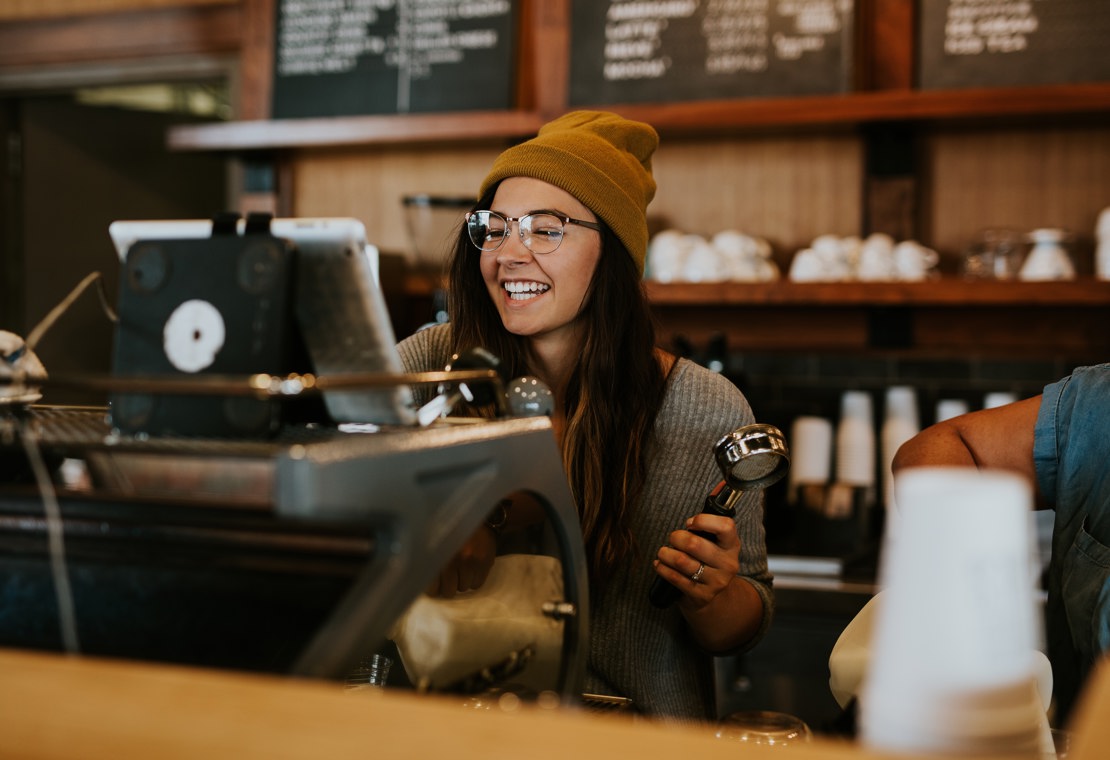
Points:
point(696, 577)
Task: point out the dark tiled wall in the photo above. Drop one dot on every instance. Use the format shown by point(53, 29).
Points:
point(781, 387)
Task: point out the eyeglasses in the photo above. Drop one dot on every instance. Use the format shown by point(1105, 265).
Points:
point(541, 231)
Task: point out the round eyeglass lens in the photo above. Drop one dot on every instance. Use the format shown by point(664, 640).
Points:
point(487, 230)
point(542, 233)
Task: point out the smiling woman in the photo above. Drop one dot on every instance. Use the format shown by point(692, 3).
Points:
point(540, 293)
point(560, 297)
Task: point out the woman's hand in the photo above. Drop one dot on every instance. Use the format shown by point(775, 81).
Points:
point(721, 608)
point(713, 562)
point(470, 566)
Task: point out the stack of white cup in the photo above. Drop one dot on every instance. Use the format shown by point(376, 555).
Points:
point(998, 398)
point(810, 453)
point(900, 423)
point(855, 441)
point(954, 663)
point(947, 408)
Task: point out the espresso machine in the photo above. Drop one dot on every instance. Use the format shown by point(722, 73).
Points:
point(258, 493)
point(291, 556)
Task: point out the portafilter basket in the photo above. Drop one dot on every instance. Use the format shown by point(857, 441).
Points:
point(753, 457)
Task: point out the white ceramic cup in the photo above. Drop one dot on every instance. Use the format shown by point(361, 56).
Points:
point(913, 261)
point(806, 267)
point(666, 255)
point(1049, 258)
point(876, 258)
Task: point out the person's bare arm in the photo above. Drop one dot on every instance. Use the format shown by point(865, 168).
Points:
point(999, 438)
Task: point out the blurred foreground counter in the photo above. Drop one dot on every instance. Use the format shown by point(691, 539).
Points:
point(54, 706)
point(290, 556)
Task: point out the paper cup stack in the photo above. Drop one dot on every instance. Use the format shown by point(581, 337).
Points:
point(900, 423)
point(810, 453)
point(947, 408)
point(998, 398)
point(954, 666)
point(855, 440)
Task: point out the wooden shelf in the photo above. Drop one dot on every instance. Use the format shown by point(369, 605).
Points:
point(869, 107)
point(355, 130)
point(943, 292)
point(949, 291)
point(674, 118)
point(941, 318)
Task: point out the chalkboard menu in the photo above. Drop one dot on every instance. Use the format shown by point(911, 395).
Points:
point(629, 51)
point(974, 43)
point(351, 57)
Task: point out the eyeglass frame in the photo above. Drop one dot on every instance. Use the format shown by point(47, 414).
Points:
point(563, 219)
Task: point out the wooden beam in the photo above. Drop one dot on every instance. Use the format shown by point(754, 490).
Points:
point(256, 71)
point(109, 37)
point(888, 44)
point(548, 37)
point(28, 9)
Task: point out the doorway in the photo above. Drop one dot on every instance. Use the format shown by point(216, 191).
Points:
point(74, 164)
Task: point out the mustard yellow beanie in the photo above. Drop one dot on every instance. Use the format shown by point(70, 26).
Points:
point(602, 159)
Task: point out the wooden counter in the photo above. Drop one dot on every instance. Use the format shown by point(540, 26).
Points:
point(53, 706)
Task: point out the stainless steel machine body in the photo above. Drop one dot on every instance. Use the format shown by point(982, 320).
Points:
point(293, 555)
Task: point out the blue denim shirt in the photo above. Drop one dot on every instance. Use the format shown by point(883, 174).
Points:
point(1071, 452)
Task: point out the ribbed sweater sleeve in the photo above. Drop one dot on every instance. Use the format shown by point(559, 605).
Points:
point(428, 350)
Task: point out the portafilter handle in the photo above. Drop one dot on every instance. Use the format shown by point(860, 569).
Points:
point(751, 457)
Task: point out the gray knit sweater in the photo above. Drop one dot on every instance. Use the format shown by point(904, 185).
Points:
point(636, 650)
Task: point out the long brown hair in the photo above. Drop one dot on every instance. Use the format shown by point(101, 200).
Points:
point(612, 397)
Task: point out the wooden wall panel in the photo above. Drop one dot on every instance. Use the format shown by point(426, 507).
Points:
point(786, 189)
point(789, 190)
point(369, 184)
